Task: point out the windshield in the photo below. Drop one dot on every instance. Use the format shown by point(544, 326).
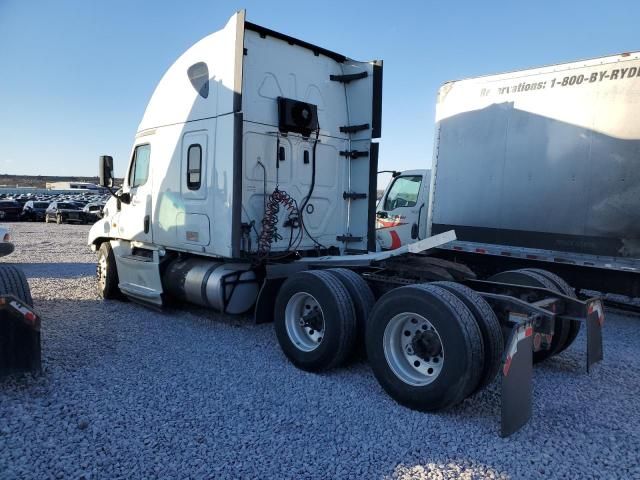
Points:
point(40, 205)
point(403, 192)
point(68, 206)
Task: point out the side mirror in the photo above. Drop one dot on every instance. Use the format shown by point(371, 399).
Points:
point(105, 171)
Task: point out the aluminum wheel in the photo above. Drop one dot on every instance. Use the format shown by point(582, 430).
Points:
point(413, 349)
point(304, 321)
point(101, 271)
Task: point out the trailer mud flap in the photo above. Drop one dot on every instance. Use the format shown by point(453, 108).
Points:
point(517, 374)
point(19, 337)
point(595, 320)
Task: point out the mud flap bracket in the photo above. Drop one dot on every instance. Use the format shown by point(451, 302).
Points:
point(595, 320)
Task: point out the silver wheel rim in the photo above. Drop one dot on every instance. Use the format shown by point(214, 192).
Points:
point(304, 320)
point(102, 270)
point(410, 364)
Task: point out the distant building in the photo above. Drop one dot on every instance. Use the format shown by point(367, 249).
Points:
point(92, 187)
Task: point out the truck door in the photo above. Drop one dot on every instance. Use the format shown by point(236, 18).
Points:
point(192, 223)
point(399, 212)
point(135, 217)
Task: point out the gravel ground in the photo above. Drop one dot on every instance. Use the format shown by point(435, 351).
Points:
point(132, 393)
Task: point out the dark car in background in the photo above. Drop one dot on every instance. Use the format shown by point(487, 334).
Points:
point(10, 210)
point(64, 212)
point(34, 211)
point(93, 211)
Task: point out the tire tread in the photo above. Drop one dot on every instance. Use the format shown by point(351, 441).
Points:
point(490, 329)
point(14, 282)
point(566, 289)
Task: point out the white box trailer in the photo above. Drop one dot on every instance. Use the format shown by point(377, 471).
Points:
point(252, 185)
point(538, 167)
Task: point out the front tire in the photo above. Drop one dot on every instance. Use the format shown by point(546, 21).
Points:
point(424, 347)
point(315, 321)
point(59, 219)
point(107, 273)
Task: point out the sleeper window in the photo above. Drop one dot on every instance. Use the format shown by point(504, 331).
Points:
point(194, 167)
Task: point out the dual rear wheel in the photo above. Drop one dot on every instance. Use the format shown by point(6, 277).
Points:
point(430, 346)
point(565, 331)
point(320, 316)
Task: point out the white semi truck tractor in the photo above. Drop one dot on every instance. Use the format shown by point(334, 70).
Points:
point(537, 168)
point(252, 186)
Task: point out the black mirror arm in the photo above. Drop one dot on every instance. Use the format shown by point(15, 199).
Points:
point(123, 197)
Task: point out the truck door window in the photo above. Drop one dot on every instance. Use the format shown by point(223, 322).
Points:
point(403, 192)
point(139, 171)
point(194, 166)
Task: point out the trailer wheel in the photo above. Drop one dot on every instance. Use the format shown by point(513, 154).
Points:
point(107, 273)
point(566, 289)
point(13, 282)
point(489, 328)
point(315, 320)
point(424, 346)
point(532, 279)
point(362, 297)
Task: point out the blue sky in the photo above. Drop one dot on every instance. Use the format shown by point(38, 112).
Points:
point(75, 76)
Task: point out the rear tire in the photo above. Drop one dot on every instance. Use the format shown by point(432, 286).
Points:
point(532, 279)
point(362, 298)
point(13, 282)
point(406, 365)
point(489, 328)
point(315, 320)
point(107, 273)
point(566, 289)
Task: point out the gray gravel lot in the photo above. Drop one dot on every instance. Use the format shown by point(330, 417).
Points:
point(132, 393)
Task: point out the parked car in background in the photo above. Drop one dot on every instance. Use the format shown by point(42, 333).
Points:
point(6, 247)
point(34, 211)
point(64, 212)
point(9, 210)
point(93, 211)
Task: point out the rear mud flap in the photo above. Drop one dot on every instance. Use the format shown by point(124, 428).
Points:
point(516, 376)
point(19, 337)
